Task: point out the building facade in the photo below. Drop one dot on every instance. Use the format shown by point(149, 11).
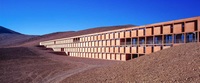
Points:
point(128, 43)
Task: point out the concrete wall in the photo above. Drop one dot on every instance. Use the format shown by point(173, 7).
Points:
point(148, 31)
point(107, 45)
point(133, 50)
point(166, 29)
point(177, 28)
point(128, 50)
point(141, 50)
point(148, 50)
point(128, 34)
point(133, 33)
point(141, 32)
point(157, 48)
point(157, 30)
point(118, 57)
point(122, 34)
point(190, 27)
point(113, 57)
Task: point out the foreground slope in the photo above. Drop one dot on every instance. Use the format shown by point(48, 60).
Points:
point(25, 65)
point(176, 64)
point(37, 65)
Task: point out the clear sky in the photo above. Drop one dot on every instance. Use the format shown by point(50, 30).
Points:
point(37, 17)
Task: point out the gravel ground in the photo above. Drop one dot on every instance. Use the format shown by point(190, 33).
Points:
point(21, 65)
point(176, 64)
point(32, 64)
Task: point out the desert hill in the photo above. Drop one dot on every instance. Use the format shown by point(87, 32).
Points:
point(10, 37)
point(6, 30)
point(180, 64)
point(35, 41)
point(100, 29)
point(56, 35)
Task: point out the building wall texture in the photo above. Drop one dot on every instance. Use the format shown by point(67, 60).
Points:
point(129, 43)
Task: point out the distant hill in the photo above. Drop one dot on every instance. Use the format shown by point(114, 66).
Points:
point(100, 29)
point(56, 35)
point(5, 30)
point(35, 41)
point(9, 37)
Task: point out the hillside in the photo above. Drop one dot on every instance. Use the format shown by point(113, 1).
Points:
point(6, 30)
point(26, 65)
point(10, 37)
point(100, 29)
point(177, 64)
point(57, 35)
point(35, 41)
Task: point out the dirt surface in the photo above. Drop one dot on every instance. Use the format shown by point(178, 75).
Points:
point(23, 65)
point(34, 64)
point(7, 39)
point(21, 61)
point(180, 64)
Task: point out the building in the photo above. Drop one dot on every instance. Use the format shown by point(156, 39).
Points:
point(129, 43)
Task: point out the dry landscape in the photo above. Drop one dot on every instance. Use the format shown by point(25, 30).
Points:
point(23, 61)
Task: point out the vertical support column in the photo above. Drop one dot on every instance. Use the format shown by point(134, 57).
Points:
point(184, 32)
point(153, 42)
point(163, 37)
point(198, 36)
point(184, 37)
point(125, 41)
point(137, 41)
point(145, 40)
point(173, 36)
point(131, 44)
point(198, 29)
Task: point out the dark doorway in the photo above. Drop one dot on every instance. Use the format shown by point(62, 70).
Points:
point(62, 49)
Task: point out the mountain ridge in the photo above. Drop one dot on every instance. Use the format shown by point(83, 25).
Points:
point(6, 30)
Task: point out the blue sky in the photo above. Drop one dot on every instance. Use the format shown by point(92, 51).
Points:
point(37, 17)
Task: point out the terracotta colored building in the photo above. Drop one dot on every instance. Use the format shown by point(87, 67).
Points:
point(129, 43)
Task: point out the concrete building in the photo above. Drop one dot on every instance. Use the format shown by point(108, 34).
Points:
point(129, 43)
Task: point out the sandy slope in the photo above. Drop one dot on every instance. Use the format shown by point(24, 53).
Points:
point(24, 65)
point(33, 64)
point(7, 39)
point(177, 64)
